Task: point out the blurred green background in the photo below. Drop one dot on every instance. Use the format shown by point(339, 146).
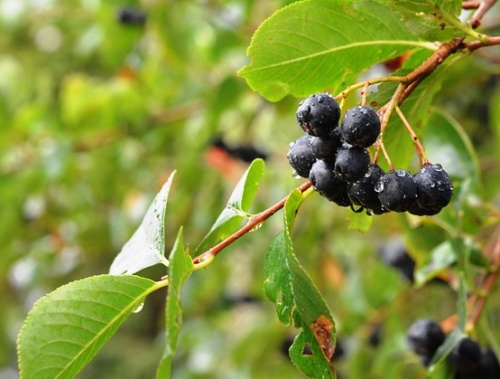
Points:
point(99, 105)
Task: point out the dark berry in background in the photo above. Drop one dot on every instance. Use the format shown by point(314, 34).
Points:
point(360, 126)
point(131, 16)
point(395, 255)
point(396, 190)
point(362, 192)
point(246, 153)
point(300, 156)
point(318, 114)
point(434, 187)
point(489, 366)
point(424, 338)
point(465, 358)
point(351, 163)
point(326, 182)
point(326, 147)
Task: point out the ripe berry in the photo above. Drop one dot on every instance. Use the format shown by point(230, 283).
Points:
point(360, 126)
point(424, 338)
point(300, 156)
point(318, 114)
point(351, 163)
point(131, 16)
point(326, 147)
point(465, 358)
point(362, 192)
point(397, 190)
point(489, 365)
point(434, 188)
point(326, 182)
point(394, 254)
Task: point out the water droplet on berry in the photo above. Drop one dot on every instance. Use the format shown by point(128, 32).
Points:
point(379, 187)
point(433, 185)
point(295, 175)
point(437, 167)
point(401, 173)
point(321, 99)
point(291, 144)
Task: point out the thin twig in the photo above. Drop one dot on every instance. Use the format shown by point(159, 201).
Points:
point(484, 6)
point(253, 223)
point(418, 145)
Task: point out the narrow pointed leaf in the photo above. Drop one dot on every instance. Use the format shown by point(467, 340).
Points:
point(146, 247)
point(312, 45)
point(181, 266)
point(66, 328)
point(239, 203)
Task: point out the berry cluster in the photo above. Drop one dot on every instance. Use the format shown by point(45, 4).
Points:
point(336, 161)
point(467, 359)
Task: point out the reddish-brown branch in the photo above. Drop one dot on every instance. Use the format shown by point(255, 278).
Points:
point(473, 4)
point(253, 223)
point(481, 9)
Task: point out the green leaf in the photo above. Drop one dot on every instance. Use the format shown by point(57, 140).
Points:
point(316, 44)
point(237, 206)
point(442, 257)
point(66, 328)
point(429, 19)
point(181, 267)
point(360, 221)
point(146, 247)
point(447, 143)
point(295, 295)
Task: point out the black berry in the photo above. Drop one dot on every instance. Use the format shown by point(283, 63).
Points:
point(362, 192)
point(360, 126)
point(394, 254)
point(131, 16)
point(300, 156)
point(489, 366)
point(424, 338)
point(351, 163)
point(397, 190)
point(326, 147)
point(465, 358)
point(434, 188)
point(326, 182)
point(318, 114)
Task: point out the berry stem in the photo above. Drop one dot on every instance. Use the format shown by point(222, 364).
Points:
point(482, 7)
point(364, 93)
point(365, 84)
point(472, 4)
point(418, 145)
point(253, 223)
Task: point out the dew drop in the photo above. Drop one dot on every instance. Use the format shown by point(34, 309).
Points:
point(321, 99)
point(401, 173)
point(433, 185)
point(138, 308)
point(379, 186)
point(295, 175)
point(437, 167)
point(291, 144)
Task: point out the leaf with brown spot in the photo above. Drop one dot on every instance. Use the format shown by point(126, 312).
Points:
point(322, 329)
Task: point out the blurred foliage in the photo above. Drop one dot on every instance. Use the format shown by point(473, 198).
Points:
point(97, 113)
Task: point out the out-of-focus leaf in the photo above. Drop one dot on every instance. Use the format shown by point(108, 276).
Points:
point(360, 222)
point(181, 266)
point(146, 247)
point(239, 203)
point(66, 328)
point(296, 298)
point(442, 257)
point(313, 45)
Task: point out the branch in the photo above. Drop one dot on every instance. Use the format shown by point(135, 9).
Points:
point(483, 7)
point(254, 222)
